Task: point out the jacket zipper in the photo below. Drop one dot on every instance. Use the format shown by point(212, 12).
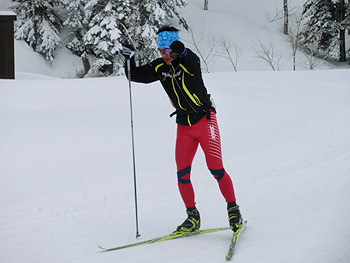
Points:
point(181, 90)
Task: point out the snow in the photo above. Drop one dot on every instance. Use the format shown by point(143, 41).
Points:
point(66, 179)
point(7, 13)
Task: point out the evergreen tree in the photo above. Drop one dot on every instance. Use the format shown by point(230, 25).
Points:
point(142, 27)
point(321, 25)
point(103, 37)
point(343, 11)
point(325, 25)
point(78, 24)
point(38, 25)
point(98, 27)
point(149, 16)
point(170, 7)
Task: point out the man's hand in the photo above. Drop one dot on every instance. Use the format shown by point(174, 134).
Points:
point(128, 50)
point(177, 49)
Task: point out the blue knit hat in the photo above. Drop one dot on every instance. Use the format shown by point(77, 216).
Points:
point(165, 38)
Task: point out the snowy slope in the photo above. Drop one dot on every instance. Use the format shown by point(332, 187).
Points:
point(66, 171)
point(66, 181)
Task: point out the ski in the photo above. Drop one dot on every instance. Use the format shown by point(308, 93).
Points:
point(234, 241)
point(171, 236)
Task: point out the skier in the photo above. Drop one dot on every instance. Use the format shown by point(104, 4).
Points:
point(180, 74)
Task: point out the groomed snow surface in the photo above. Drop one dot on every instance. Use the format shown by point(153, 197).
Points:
point(67, 181)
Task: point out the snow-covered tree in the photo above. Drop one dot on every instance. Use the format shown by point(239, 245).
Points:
point(98, 27)
point(38, 25)
point(148, 17)
point(326, 25)
point(343, 8)
point(103, 37)
point(171, 9)
point(142, 28)
point(78, 24)
point(152, 15)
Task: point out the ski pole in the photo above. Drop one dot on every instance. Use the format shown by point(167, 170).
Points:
point(133, 147)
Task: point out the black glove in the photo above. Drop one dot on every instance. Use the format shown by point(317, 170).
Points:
point(128, 50)
point(178, 49)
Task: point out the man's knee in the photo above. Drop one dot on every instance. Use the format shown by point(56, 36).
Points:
point(218, 174)
point(183, 176)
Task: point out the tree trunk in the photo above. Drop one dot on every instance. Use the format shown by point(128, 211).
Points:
point(206, 4)
point(35, 28)
point(286, 17)
point(342, 31)
point(86, 62)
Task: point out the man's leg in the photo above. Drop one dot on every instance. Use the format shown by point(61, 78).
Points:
point(186, 147)
point(211, 145)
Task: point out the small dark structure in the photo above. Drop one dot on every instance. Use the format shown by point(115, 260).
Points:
point(7, 50)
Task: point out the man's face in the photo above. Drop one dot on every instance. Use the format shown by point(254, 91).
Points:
point(165, 52)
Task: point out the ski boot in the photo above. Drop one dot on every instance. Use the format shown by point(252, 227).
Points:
point(192, 222)
point(234, 216)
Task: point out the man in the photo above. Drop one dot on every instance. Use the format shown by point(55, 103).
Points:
point(179, 72)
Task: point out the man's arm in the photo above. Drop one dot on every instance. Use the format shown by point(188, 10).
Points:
point(178, 49)
point(143, 74)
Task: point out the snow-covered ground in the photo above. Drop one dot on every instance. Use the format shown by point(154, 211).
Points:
point(67, 184)
point(66, 180)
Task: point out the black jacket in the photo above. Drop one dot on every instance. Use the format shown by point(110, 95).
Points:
point(182, 81)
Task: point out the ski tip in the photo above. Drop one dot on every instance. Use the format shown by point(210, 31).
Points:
point(102, 248)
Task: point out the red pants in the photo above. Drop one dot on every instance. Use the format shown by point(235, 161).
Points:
point(206, 133)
